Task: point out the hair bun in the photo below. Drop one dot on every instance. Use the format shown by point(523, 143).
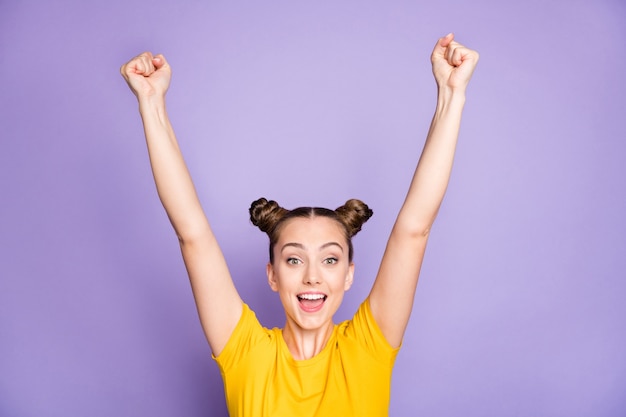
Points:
point(266, 214)
point(353, 214)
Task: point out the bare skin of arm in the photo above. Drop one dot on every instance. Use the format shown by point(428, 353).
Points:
point(393, 292)
point(218, 303)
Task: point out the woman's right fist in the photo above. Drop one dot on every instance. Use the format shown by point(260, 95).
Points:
point(147, 75)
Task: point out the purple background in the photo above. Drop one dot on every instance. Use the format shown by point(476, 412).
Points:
point(520, 309)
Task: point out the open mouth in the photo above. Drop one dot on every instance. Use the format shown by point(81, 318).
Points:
point(311, 302)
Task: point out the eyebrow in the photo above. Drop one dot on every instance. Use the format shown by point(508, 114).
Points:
point(301, 246)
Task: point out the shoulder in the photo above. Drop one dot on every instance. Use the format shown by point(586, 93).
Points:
point(363, 332)
point(246, 337)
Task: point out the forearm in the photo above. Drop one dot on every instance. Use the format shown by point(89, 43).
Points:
point(173, 181)
point(432, 174)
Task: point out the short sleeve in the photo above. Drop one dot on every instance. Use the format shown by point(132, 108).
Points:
point(364, 329)
point(246, 336)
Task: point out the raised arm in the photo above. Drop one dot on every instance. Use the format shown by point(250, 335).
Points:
point(392, 295)
point(218, 303)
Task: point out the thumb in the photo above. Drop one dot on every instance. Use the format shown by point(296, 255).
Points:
point(443, 43)
point(160, 62)
point(446, 40)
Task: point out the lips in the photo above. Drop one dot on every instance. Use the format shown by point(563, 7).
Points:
point(311, 302)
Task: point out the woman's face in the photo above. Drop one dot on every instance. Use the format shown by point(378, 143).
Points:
point(311, 270)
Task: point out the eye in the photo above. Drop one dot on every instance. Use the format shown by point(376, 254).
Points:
point(330, 261)
point(293, 261)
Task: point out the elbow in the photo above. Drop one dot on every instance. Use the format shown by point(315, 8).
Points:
point(191, 235)
point(416, 222)
point(419, 233)
point(422, 233)
point(413, 229)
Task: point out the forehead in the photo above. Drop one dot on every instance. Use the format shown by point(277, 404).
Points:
point(318, 228)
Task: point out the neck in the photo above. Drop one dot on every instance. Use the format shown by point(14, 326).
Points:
point(305, 344)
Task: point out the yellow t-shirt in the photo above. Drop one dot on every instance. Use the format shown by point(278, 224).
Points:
point(351, 376)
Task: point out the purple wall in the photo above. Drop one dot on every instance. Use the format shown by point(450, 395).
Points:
point(520, 309)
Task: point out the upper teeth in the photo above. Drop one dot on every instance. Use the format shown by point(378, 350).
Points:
point(311, 296)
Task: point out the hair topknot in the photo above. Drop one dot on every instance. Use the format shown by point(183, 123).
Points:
point(353, 214)
point(265, 214)
point(268, 216)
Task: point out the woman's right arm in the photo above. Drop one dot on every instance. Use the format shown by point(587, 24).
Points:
point(218, 303)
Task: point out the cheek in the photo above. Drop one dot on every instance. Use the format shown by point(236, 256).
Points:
point(341, 280)
point(284, 277)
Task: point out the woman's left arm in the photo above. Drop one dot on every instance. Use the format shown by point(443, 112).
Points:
point(391, 298)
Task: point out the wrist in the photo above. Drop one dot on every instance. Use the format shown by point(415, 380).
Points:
point(450, 98)
point(151, 102)
point(450, 92)
point(152, 108)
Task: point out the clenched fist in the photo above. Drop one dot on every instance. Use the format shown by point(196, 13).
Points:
point(147, 75)
point(453, 63)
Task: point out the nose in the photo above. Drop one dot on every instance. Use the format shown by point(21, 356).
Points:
point(311, 276)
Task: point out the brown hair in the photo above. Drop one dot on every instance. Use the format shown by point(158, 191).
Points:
point(270, 218)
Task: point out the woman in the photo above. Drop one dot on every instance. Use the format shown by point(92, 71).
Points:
point(311, 367)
